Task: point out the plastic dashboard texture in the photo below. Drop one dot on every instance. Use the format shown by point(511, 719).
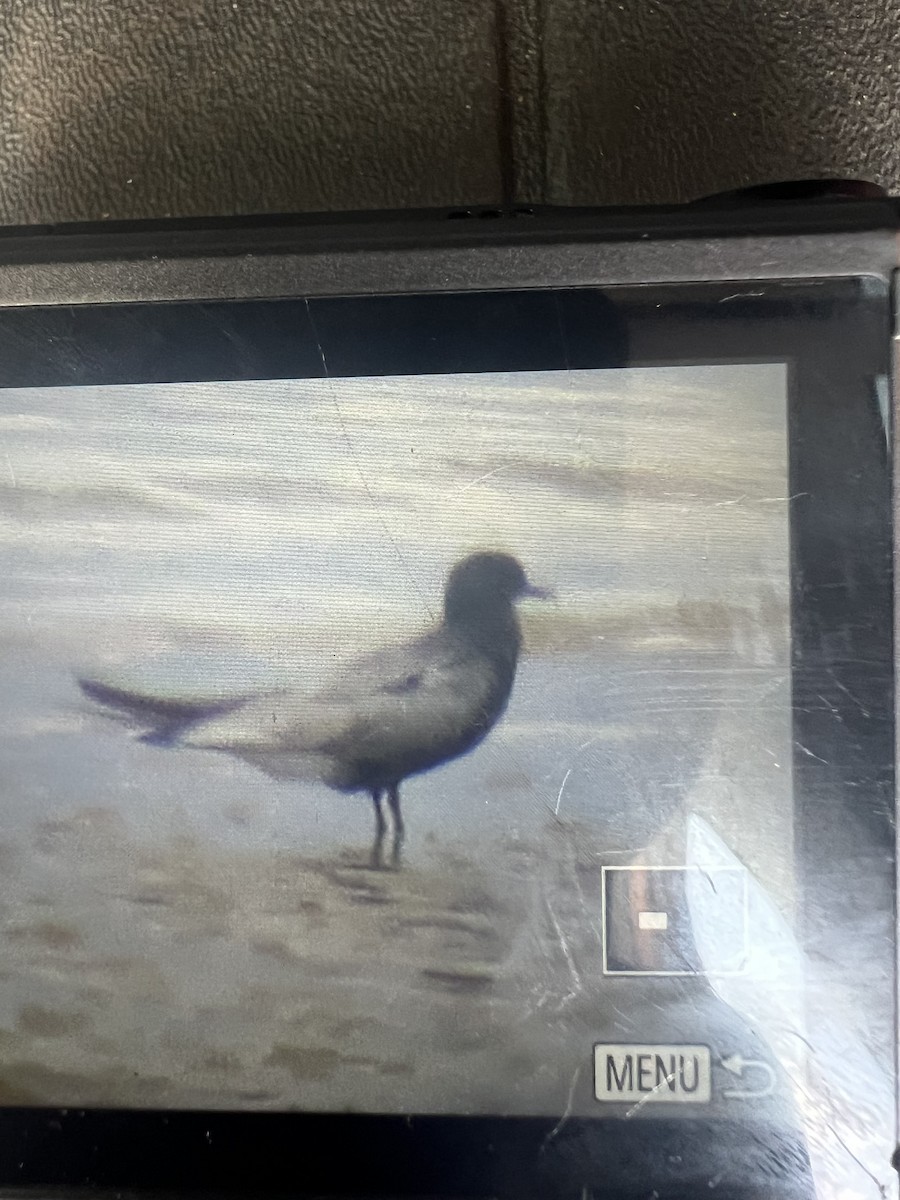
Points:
point(117, 109)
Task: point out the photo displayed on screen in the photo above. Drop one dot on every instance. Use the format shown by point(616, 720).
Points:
point(388, 744)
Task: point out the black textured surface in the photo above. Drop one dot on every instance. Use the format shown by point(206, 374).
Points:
point(124, 108)
point(649, 101)
point(127, 109)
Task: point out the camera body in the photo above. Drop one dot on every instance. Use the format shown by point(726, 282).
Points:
point(640, 935)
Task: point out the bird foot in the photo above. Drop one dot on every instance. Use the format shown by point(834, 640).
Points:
point(379, 861)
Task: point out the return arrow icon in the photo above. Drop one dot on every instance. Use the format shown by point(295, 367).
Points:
point(737, 1065)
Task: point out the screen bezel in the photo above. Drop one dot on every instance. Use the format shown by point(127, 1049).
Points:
point(834, 337)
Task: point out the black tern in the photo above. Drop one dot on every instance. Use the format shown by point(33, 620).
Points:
point(388, 715)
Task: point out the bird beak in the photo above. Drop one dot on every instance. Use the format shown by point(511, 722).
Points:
point(533, 592)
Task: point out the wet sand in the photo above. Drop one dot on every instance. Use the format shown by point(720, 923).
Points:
point(178, 930)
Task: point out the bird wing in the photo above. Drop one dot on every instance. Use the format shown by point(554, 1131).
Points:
point(398, 701)
point(413, 704)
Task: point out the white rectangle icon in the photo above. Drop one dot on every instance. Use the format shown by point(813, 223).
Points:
point(713, 899)
point(653, 920)
point(648, 1074)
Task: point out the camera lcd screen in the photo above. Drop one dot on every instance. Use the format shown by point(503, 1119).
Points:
point(237, 616)
point(465, 725)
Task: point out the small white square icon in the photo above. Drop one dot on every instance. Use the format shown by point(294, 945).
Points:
point(650, 916)
point(653, 920)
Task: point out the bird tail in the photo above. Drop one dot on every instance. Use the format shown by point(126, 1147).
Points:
point(164, 720)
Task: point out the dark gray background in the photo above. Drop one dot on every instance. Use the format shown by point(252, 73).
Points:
point(135, 108)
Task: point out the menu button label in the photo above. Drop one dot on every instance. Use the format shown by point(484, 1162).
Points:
point(626, 1074)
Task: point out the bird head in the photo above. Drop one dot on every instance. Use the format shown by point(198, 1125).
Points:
point(487, 580)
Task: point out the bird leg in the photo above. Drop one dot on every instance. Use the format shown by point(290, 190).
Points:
point(393, 798)
point(380, 823)
point(380, 830)
point(393, 794)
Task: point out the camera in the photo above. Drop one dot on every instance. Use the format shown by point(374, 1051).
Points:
point(447, 702)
